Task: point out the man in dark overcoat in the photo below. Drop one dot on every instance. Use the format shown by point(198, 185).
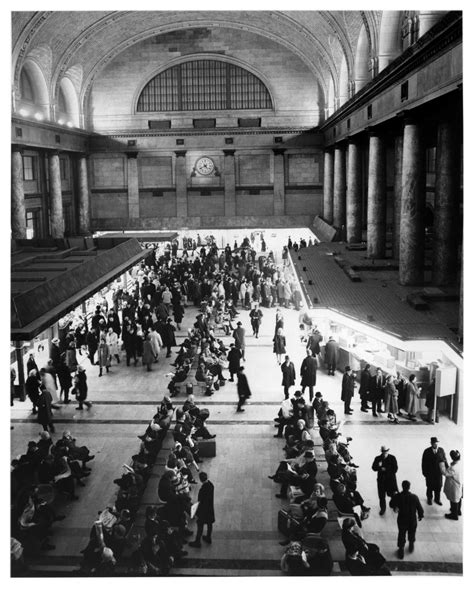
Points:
point(256, 319)
point(347, 391)
point(288, 379)
point(408, 507)
point(233, 357)
point(313, 342)
point(364, 389)
point(243, 389)
point(377, 388)
point(239, 338)
point(331, 355)
point(432, 459)
point(308, 370)
point(386, 467)
point(205, 511)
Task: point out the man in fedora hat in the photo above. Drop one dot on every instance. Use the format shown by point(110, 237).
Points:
point(431, 465)
point(385, 465)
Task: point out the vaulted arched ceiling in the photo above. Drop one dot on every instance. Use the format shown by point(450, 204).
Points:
point(90, 40)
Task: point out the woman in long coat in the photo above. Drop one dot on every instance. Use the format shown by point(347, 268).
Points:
point(111, 339)
point(45, 413)
point(32, 386)
point(80, 389)
point(279, 344)
point(148, 355)
point(412, 395)
point(453, 485)
point(103, 353)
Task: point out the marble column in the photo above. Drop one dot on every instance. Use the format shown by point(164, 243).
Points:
point(229, 183)
point(278, 182)
point(132, 185)
point(397, 196)
point(18, 212)
point(83, 196)
point(376, 198)
point(339, 207)
point(446, 204)
point(412, 238)
point(181, 184)
point(354, 193)
point(55, 197)
point(328, 203)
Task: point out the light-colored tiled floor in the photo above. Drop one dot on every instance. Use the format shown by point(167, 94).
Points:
point(246, 507)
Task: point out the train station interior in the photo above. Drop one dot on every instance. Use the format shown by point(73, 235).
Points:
point(305, 163)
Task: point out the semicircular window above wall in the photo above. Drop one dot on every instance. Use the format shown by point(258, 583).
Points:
point(204, 85)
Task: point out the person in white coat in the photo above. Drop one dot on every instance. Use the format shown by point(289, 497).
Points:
point(111, 339)
point(156, 342)
point(453, 484)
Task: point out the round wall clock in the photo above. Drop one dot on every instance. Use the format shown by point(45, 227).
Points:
point(205, 166)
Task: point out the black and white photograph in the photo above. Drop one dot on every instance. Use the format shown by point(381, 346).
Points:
point(236, 291)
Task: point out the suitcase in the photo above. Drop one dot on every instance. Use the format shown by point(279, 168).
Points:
point(286, 522)
point(294, 493)
point(207, 448)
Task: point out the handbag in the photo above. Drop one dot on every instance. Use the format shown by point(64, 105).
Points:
point(194, 508)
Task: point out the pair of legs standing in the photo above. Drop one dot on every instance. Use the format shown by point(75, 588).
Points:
point(199, 531)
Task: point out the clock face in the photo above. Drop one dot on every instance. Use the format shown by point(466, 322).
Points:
point(205, 166)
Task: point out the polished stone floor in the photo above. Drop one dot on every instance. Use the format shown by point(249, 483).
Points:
point(246, 538)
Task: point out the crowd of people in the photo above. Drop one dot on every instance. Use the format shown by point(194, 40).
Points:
point(307, 513)
point(138, 321)
point(45, 472)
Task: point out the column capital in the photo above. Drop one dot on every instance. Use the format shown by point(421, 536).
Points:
point(131, 155)
point(18, 148)
point(228, 152)
point(278, 151)
point(51, 152)
point(407, 117)
point(181, 153)
point(353, 140)
point(329, 149)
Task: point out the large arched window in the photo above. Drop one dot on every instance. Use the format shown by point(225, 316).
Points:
point(204, 84)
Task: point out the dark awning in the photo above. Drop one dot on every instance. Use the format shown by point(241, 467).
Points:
point(49, 282)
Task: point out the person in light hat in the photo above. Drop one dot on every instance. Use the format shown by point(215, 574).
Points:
point(453, 488)
point(386, 467)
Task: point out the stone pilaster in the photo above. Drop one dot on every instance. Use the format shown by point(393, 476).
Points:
point(411, 267)
point(181, 184)
point(377, 197)
point(328, 203)
point(83, 196)
point(18, 212)
point(229, 183)
point(278, 182)
point(354, 193)
point(132, 185)
point(446, 204)
point(339, 210)
point(55, 197)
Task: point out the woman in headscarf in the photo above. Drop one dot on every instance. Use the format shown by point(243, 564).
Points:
point(453, 485)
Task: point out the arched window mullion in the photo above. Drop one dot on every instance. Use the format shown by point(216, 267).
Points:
point(204, 85)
